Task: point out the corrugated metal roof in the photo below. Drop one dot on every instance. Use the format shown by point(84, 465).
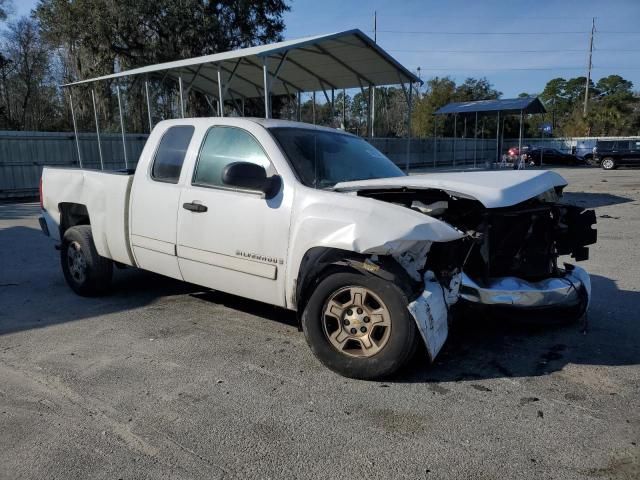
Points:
point(346, 59)
point(507, 105)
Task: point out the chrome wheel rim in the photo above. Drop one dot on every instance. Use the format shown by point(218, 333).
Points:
point(356, 321)
point(607, 164)
point(76, 262)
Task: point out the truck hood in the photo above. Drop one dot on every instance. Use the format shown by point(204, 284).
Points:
point(494, 189)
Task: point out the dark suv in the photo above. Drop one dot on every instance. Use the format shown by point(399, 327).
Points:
point(611, 154)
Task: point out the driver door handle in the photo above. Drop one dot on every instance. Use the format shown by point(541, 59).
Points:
point(195, 207)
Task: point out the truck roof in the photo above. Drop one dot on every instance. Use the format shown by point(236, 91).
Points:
point(265, 122)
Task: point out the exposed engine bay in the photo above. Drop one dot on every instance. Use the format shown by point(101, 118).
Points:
point(523, 240)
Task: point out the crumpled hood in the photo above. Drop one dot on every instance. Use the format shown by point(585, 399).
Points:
point(494, 189)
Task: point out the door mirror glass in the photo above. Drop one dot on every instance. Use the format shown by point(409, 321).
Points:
point(249, 176)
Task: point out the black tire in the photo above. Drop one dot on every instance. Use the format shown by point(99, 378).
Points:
point(608, 163)
point(87, 273)
point(401, 342)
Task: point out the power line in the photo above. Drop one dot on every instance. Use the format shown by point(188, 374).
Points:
point(515, 51)
point(425, 32)
point(524, 69)
point(490, 51)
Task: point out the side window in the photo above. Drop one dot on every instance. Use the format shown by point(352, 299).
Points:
point(169, 158)
point(222, 146)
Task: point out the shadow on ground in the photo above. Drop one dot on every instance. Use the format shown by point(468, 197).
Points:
point(478, 347)
point(594, 200)
point(487, 346)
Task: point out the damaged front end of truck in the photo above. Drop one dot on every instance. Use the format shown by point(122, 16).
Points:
point(508, 255)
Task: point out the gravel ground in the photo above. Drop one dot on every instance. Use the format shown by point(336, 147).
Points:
point(166, 380)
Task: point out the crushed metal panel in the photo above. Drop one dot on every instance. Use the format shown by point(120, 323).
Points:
point(431, 312)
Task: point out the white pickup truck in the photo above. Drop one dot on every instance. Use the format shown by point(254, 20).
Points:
point(318, 221)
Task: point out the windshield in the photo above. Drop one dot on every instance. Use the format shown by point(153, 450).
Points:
point(321, 159)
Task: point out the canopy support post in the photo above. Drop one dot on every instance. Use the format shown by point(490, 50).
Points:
point(455, 131)
point(435, 139)
point(369, 123)
point(475, 141)
point(220, 95)
point(408, 128)
point(299, 106)
point(181, 97)
point(124, 144)
point(464, 141)
point(498, 139)
point(333, 105)
point(344, 109)
point(95, 116)
point(146, 93)
point(520, 163)
point(373, 109)
point(265, 79)
point(75, 128)
point(313, 107)
point(542, 139)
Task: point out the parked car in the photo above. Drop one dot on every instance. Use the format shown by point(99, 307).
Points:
point(551, 156)
point(318, 221)
point(515, 151)
point(611, 154)
point(584, 149)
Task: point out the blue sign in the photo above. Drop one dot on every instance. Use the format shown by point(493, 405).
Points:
point(547, 127)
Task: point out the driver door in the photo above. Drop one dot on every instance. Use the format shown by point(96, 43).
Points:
point(232, 240)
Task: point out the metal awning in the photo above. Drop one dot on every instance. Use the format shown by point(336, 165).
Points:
point(348, 59)
point(324, 63)
point(509, 105)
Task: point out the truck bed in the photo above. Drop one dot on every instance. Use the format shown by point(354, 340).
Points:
point(106, 198)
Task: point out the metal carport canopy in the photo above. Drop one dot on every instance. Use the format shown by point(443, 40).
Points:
point(348, 59)
point(508, 105)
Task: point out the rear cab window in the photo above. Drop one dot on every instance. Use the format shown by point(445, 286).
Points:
point(169, 157)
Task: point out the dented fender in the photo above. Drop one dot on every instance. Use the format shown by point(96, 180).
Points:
point(356, 224)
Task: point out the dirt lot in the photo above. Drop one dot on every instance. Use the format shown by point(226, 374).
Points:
point(166, 380)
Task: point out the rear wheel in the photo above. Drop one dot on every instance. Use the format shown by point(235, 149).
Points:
point(359, 326)
point(86, 272)
point(608, 163)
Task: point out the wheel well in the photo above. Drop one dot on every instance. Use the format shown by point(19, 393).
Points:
point(72, 214)
point(320, 262)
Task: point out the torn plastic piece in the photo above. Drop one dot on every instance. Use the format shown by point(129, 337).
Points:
point(413, 259)
point(431, 311)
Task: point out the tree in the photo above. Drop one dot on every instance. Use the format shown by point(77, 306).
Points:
point(5, 6)
point(28, 95)
point(441, 91)
point(98, 37)
point(615, 86)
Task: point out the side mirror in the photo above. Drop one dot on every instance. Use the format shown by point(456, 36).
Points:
point(250, 176)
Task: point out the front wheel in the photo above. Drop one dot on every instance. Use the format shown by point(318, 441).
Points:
point(359, 326)
point(608, 163)
point(86, 272)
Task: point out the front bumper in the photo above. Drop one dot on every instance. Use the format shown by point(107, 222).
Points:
point(569, 290)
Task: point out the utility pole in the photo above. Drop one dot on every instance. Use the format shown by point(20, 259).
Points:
point(586, 88)
point(375, 26)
